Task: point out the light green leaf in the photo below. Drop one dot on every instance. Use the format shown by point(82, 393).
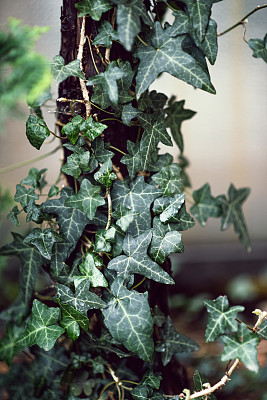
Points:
point(62, 71)
point(169, 180)
point(173, 342)
point(262, 330)
point(128, 319)
point(36, 131)
point(72, 320)
point(243, 346)
point(221, 318)
point(154, 132)
point(87, 199)
point(90, 273)
point(94, 8)
point(165, 241)
point(206, 205)
point(43, 240)
point(108, 81)
point(167, 55)
point(259, 48)
point(105, 174)
point(41, 328)
point(168, 207)
point(83, 300)
point(137, 261)
point(72, 129)
point(106, 35)
point(232, 213)
point(176, 114)
point(91, 128)
point(137, 196)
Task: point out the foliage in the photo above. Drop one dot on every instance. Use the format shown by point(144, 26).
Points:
point(103, 245)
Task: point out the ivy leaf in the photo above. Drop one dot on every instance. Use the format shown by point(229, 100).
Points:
point(53, 191)
point(128, 113)
point(72, 129)
point(95, 8)
point(91, 128)
point(173, 342)
point(209, 45)
point(83, 300)
point(199, 11)
point(8, 344)
point(90, 273)
point(41, 328)
point(128, 319)
point(221, 318)
point(132, 159)
point(124, 217)
point(167, 55)
point(154, 132)
point(72, 320)
point(35, 178)
point(31, 261)
point(176, 114)
point(104, 175)
point(104, 238)
point(165, 241)
point(137, 196)
point(13, 215)
point(108, 81)
point(24, 196)
point(100, 152)
point(152, 380)
point(232, 213)
point(43, 240)
point(87, 199)
point(262, 330)
point(183, 220)
point(168, 207)
point(206, 206)
point(36, 131)
point(61, 71)
point(200, 381)
point(259, 48)
point(169, 180)
point(181, 25)
point(106, 35)
point(76, 163)
point(243, 346)
point(34, 213)
point(137, 261)
point(128, 20)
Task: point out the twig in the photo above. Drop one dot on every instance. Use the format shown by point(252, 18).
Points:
point(91, 51)
point(243, 20)
point(108, 49)
point(118, 173)
point(82, 82)
point(109, 208)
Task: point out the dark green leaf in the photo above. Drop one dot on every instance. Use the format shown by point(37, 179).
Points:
point(232, 213)
point(104, 238)
point(24, 196)
point(62, 71)
point(35, 178)
point(94, 8)
point(90, 273)
point(13, 215)
point(262, 330)
point(129, 320)
point(176, 114)
point(132, 159)
point(199, 11)
point(36, 131)
point(43, 240)
point(91, 128)
point(100, 152)
point(128, 113)
point(106, 35)
point(206, 205)
point(83, 300)
point(169, 180)
point(53, 191)
point(221, 318)
point(76, 163)
point(173, 342)
point(243, 346)
point(34, 213)
point(152, 380)
point(72, 320)
point(105, 174)
point(168, 207)
point(183, 220)
point(87, 199)
point(138, 197)
point(167, 55)
point(165, 241)
point(259, 48)
point(181, 25)
point(8, 344)
point(209, 46)
point(72, 128)
point(124, 217)
point(137, 261)
point(200, 382)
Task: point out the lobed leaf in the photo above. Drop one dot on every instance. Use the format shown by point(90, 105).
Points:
point(61, 71)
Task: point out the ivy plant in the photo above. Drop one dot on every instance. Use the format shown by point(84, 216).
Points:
point(102, 242)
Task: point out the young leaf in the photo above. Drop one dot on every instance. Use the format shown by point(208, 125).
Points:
point(152, 380)
point(72, 129)
point(167, 55)
point(200, 381)
point(41, 328)
point(176, 114)
point(83, 300)
point(94, 8)
point(36, 131)
point(104, 175)
point(137, 261)
point(91, 128)
point(104, 238)
point(62, 71)
point(90, 273)
point(206, 205)
point(106, 35)
point(72, 320)
point(43, 240)
point(168, 207)
point(53, 191)
point(243, 346)
point(259, 48)
point(138, 197)
point(35, 178)
point(221, 318)
point(87, 199)
point(232, 213)
point(173, 342)
point(128, 319)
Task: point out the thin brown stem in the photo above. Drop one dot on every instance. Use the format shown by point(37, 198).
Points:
point(82, 82)
point(109, 208)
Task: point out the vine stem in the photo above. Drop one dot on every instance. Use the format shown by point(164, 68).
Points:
point(27, 162)
point(243, 20)
point(115, 148)
point(109, 208)
point(82, 82)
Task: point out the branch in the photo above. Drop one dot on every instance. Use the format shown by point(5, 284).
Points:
point(82, 82)
point(243, 20)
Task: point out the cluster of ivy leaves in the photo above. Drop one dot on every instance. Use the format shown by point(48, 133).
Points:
point(97, 244)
